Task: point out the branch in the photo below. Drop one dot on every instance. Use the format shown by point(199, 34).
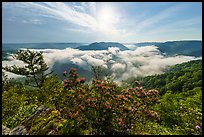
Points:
point(48, 73)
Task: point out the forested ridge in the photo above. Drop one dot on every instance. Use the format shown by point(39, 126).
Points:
point(167, 104)
point(188, 48)
point(181, 94)
point(179, 78)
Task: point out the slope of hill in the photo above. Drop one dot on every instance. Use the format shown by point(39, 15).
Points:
point(102, 46)
point(60, 67)
point(147, 43)
point(16, 46)
point(189, 48)
point(179, 78)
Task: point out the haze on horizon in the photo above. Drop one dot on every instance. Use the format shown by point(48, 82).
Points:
point(126, 22)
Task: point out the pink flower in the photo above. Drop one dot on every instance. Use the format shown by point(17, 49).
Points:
point(99, 81)
point(137, 84)
point(65, 73)
point(66, 81)
point(117, 99)
point(88, 100)
point(103, 87)
point(74, 73)
point(82, 80)
point(120, 121)
point(81, 107)
point(125, 98)
point(78, 80)
point(107, 103)
point(121, 96)
point(83, 91)
point(65, 85)
point(73, 69)
point(197, 127)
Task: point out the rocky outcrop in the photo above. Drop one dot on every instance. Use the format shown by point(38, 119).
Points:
point(38, 112)
point(5, 130)
point(21, 129)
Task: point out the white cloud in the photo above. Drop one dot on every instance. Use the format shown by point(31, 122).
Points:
point(118, 67)
point(76, 14)
point(93, 61)
point(142, 61)
point(85, 16)
point(113, 50)
point(32, 21)
point(78, 61)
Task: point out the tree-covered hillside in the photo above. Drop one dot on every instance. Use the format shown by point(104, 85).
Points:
point(46, 45)
point(189, 48)
point(147, 43)
point(181, 96)
point(179, 78)
point(102, 46)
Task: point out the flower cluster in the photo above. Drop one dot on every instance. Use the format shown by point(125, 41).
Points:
point(73, 79)
point(106, 105)
point(152, 114)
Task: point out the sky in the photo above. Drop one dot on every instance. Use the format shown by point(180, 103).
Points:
point(87, 22)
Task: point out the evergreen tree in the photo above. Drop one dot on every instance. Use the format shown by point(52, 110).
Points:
point(34, 69)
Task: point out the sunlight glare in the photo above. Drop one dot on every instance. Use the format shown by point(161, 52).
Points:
point(106, 17)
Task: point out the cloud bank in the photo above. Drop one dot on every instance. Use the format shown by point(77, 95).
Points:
point(139, 62)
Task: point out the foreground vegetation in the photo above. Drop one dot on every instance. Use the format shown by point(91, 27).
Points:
point(102, 106)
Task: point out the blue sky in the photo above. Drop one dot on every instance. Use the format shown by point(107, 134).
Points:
point(27, 22)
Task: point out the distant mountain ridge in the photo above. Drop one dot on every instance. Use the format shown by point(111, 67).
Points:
point(185, 47)
point(189, 48)
point(102, 46)
point(146, 43)
point(17, 46)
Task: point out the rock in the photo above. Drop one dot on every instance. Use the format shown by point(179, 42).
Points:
point(40, 110)
point(51, 132)
point(5, 130)
point(19, 130)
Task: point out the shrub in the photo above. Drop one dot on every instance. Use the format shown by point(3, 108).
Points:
point(106, 107)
